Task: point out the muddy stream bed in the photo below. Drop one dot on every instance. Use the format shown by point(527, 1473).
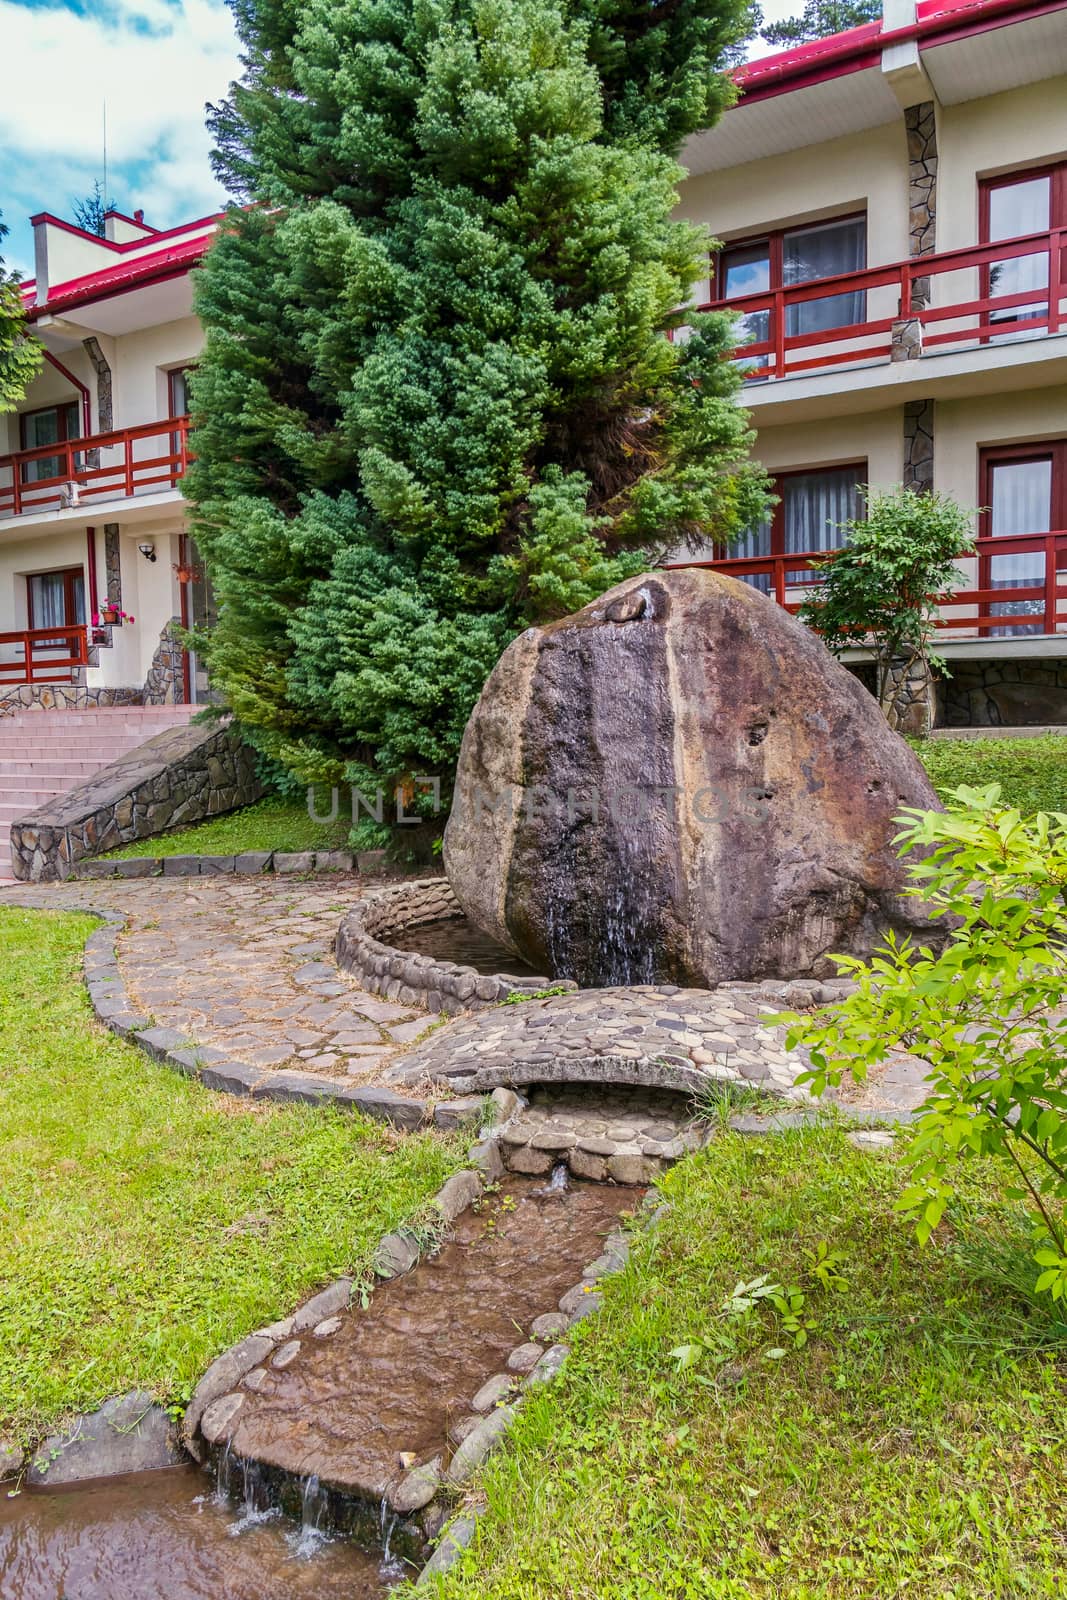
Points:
point(395, 1378)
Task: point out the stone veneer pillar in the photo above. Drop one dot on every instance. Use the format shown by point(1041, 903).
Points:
point(920, 125)
point(112, 564)
point(919, 444)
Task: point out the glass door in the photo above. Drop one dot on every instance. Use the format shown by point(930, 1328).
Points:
point(1012, 208)
point(50, 425)
point(746, 269)
point(1024, 491)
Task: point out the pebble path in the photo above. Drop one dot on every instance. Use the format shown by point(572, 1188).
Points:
point(245, 965)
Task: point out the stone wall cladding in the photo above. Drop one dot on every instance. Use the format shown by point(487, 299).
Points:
point(442, 987)
point(919, 444)
point(63, 697)
point(920, 123)
point(180, 776)
point(113, 564)
point(165, 683)
point(993, 694)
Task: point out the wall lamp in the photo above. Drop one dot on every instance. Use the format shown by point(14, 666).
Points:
point(148, 550)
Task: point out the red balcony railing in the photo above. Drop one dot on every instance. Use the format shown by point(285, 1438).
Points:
point(1032, 600)
point(920, 289)
point(43, 655)
point(128, 461)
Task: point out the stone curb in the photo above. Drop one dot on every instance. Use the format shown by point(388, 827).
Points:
point(441, 987)
point(249, 862)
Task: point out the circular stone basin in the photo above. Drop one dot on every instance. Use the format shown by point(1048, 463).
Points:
point(458, 939)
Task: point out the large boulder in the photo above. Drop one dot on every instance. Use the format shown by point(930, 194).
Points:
point(680, 783)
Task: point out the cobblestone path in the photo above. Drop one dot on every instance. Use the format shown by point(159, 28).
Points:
point(245, 965)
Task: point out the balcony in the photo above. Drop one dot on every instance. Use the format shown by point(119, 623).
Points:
point(921, 306)
point(100, 467)
point(43, 655)
point(1030, 602)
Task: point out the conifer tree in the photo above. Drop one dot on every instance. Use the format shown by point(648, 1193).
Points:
point(20, 355)
point(437, 400)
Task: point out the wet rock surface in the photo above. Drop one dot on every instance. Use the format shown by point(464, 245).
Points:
point(395, 1377)
point(128, 1434)
point(687, 787)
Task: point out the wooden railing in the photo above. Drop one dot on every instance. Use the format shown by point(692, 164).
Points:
point(127, 461)
point(43, 655)
point(908, 291)
point(974, 611)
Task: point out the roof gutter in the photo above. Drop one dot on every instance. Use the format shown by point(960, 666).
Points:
point(853, 51)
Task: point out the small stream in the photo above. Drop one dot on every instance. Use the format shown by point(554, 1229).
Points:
point(169, 1536)
point(396, 1377)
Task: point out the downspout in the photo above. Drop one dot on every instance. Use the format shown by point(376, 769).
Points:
point(94, 602)
point(86, 398)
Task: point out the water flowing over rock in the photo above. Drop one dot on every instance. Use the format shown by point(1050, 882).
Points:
point(679, 783)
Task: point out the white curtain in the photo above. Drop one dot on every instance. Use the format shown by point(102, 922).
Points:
point(1021, 503)
point(1016, 209)
point(822, 252)
point(814, 507)
point(49, 606)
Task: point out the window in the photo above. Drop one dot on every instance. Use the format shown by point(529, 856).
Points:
point(50, 425)
point(56, 599)
point(793, 256)
point(807, 519)
point(178, 391)
point(1012, 208)
point(1025, 489)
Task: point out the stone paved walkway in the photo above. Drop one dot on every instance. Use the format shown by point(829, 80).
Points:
point(245, 965)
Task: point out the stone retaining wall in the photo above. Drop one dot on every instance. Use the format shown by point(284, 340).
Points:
point(363, 949)
point(64, 697)
point(180, 776)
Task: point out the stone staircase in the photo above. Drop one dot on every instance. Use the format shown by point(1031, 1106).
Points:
point(45, 753)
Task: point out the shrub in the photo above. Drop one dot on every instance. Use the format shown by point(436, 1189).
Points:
point(882, 587)
point(982, 1010)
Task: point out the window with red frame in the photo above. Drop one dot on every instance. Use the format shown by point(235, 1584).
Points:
point(47, 425)
point(1011, 207)
point(782, 258)
point(178, 390)
point(56, 599)
point(812, 506)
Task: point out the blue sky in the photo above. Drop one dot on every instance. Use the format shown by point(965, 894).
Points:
point(155, 63)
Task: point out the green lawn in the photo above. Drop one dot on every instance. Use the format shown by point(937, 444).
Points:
point(1032, 773)
point(147, 1223)
point(914, 1448)
point(270, 824)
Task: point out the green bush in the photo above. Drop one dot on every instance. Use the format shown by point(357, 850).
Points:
point(981, 1010)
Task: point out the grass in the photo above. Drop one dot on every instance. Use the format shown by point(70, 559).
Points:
point(913, 1448)
point(271, 824)
point(1032, 773)
point(148, 1223)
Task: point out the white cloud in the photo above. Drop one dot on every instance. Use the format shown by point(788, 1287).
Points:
point(155, 64)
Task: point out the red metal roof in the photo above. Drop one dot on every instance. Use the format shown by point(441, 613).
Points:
point(937, 22)
point(153, 267)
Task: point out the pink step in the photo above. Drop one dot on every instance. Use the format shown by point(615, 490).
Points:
point(46, 753)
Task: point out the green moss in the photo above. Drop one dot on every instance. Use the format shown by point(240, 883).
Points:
point(147, 1222)
point(1032, 773)
point(914, 1446)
